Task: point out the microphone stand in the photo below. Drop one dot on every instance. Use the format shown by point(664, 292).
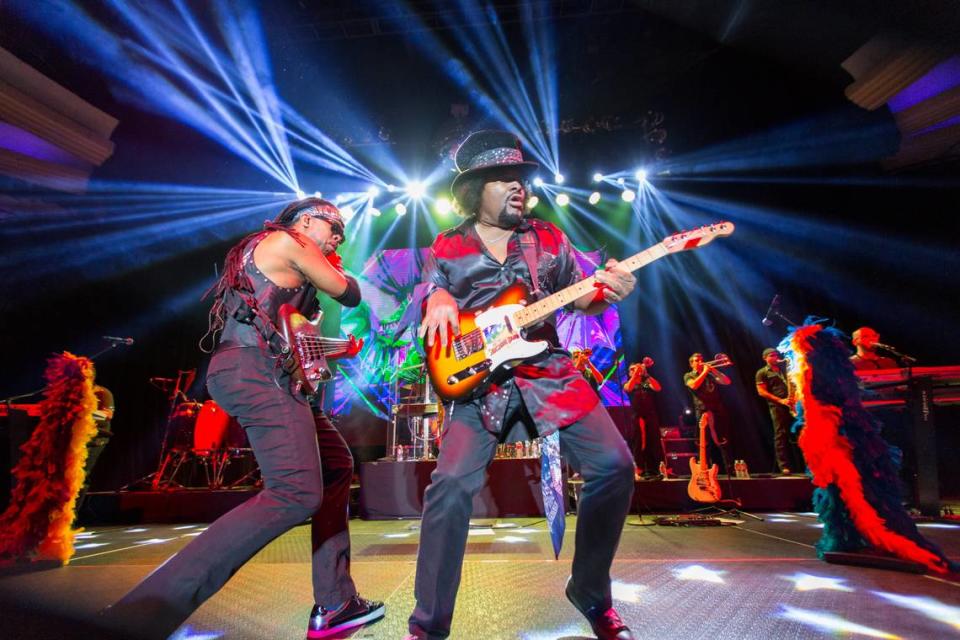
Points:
point(777, 314)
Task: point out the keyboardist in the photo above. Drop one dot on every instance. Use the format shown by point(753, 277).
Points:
point(866, 358)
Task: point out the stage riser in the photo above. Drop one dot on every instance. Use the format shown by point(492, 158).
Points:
point(395, 490)
point(391, 489)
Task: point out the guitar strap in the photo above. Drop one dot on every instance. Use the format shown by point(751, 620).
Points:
point(249, 312)
point(530, 246)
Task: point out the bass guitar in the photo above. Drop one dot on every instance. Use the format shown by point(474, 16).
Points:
point(704, 486)
point(309, 350)
point(493, 338)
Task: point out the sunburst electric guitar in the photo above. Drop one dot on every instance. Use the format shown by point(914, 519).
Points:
point(309, 350)
point(493, 337)
point(704, 486)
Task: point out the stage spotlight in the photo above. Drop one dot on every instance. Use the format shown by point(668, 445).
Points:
point(347, 213)
point(532, 201)
point(620, 181)
point(628, 195)
point(300, 194)
point(594, 197)
point(416, 190)
point(401, 209)
point(558, 178)
point(598, 177)
point(641, 175)
point(373, 192)
point(563, 199)
point(375, 212)
point(317, 194)
point(538, 181)
point(391, 188)
point(443, 206)
point(338, 199)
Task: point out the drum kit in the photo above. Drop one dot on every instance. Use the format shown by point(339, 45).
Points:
point(200, 437)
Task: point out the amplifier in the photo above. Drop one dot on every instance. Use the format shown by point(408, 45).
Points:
point(678, 464)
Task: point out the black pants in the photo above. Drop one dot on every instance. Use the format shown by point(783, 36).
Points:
point(784, 444)
point(647, 450)
point(306, 469)
point(718, 448)
point(592, 445)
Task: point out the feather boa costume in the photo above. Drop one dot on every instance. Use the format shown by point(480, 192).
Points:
point(39, 519)
point(854, 469)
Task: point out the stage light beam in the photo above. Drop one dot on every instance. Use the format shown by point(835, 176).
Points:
point(401, 209)
point(563, 199)
point(532, 201)
point(628, 195)
point(598, 177)
point(594, 197)
point(416, 190)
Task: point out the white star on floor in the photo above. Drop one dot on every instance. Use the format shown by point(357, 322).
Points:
point(831, 622)
point(696, 572)
point(807, 582)
point(930, 607)
point(625, 591)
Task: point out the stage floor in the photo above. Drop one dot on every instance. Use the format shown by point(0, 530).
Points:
point(752, 580)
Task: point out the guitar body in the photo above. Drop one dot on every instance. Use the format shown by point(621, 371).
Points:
point(303, 336)
point(703, 486)
point(488, 340)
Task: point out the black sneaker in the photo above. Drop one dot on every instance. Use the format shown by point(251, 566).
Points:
point(604, 620)
point(354, 612)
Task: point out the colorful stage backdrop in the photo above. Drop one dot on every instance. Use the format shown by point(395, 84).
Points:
point(389, 368)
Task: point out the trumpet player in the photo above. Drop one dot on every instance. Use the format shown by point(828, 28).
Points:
point(704, 380)
point(773, 386)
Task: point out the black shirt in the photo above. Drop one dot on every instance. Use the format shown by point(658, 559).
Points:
point(775, 382)
point(707, 397)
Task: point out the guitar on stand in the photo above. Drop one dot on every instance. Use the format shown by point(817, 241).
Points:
point(704, 486)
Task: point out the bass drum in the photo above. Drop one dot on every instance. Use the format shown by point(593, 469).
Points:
point(216, 430)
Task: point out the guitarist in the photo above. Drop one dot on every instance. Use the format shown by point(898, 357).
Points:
point(305, 464)
point(704, 381)
point(468, 267)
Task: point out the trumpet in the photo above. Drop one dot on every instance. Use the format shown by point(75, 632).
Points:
point(719, 360)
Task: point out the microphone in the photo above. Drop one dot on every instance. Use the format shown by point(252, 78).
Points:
point(115, 340)
point(904, 357)
point(773, 305)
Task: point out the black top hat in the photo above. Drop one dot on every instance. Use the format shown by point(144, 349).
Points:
point(483, 150)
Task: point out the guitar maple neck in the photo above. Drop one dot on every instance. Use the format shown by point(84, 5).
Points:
point(541, 309)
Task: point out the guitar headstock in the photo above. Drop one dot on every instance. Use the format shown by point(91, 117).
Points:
point(695, 238)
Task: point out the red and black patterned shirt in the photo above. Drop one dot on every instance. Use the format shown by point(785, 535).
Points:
point(554, 392)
